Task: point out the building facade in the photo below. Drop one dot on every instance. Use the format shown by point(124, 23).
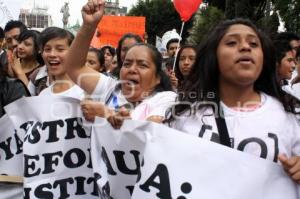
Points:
point(37, 18)
point(113, 8)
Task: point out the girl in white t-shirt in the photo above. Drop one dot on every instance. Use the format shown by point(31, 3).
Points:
point(143, 86)
point(56, 43)
point(232, 97)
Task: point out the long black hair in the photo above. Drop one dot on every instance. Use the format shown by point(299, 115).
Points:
point(178, 74)
point(281, 47)
point(36, 38)
point(110, 49)
point(203, 80)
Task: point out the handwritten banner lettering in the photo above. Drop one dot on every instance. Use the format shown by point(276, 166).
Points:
point(111, 29)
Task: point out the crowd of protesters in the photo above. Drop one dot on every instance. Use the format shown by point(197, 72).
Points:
point(236, 76)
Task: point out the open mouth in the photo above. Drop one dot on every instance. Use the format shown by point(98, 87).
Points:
point(54, 63)
point(131, 82)
point(245, 60)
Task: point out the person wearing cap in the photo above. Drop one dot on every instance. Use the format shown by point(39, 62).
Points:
point(170, 41)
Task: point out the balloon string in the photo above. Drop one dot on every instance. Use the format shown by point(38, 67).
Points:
point(178, 45)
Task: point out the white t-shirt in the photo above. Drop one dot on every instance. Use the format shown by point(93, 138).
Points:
point(155, 105)
point(292, 89)
point(73, 92)
point(296, 90)
point(107, 91)
point(265, 132)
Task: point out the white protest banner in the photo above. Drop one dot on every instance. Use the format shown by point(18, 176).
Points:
point(11, 152)
point(11, 157)
point(56, 148)
point(159, 45)
point(176, 165)
point(117, 163)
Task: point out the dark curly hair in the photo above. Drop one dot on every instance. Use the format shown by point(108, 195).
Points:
point(14, 24)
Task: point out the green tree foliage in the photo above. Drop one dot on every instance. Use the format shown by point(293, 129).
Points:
point(289, 10)
point(220, 4)
point(161, 16)
point(243, 9)
point(256, 10)
point(230, 9)
point(205, 19)
point(252, 9)
point(269, 24)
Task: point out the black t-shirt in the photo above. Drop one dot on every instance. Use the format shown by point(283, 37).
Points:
point(10, 90)
point(3, 59)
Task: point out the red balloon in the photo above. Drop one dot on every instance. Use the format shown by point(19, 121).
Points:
point(186, 8)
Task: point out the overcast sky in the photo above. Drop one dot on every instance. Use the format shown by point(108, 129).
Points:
point(75, 7)
point(54, 7)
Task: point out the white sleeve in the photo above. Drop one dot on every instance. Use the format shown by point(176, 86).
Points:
point(104, 87)
point(161, 102)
